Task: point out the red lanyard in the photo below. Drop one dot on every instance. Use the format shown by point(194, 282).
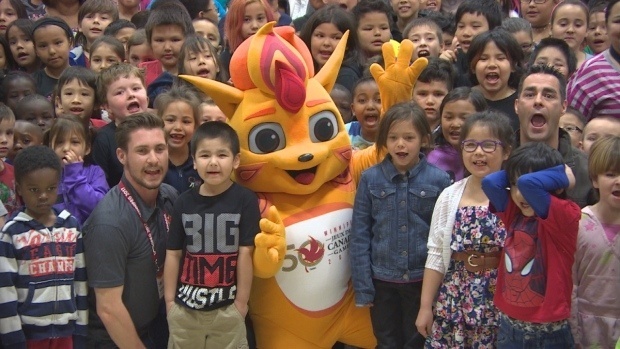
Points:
point(147, 230)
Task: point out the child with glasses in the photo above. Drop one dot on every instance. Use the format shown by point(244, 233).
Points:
point(534, 282)
point(464, 245)
point(573, 122)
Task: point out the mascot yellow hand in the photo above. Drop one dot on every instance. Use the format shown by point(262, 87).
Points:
point(397, 80)
point(270, 245)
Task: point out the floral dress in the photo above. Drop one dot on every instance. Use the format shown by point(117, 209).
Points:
point(465, 316)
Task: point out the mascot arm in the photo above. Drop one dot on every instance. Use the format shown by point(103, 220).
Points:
point(396, 81)
point(270, 245)
point(363, 159)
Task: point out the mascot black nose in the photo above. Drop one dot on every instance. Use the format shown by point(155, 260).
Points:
point(305, 157)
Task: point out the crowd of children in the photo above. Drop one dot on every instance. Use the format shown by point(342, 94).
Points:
point(441, 226)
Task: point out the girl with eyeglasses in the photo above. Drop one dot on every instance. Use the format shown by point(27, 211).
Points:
point(538, 13)
point(464, 245)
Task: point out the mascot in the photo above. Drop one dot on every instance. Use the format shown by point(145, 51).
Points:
point(296, 155)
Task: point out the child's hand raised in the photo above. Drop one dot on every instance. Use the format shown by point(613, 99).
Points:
point(71, 157)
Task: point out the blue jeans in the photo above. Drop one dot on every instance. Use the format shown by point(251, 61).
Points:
point(510, 337)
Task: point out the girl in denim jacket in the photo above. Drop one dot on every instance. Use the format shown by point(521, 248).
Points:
point(391, 218)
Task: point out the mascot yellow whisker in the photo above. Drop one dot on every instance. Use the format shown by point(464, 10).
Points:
point(296, 155)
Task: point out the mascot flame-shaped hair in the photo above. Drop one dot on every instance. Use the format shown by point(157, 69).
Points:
point(296, 155)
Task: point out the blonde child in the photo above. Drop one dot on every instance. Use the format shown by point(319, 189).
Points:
point(391, 218)
point(569, 22)
point(464, 244)
point(596, 313)
point(179, 108)
point(104, 52)
point(455, 108)
point(82, 184)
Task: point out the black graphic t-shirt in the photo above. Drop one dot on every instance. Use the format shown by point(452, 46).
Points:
point(209, 230)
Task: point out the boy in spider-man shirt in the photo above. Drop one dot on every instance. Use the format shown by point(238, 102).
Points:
point(534, 281)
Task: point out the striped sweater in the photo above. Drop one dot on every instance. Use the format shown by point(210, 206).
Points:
point(594, 89)
point(43, 285)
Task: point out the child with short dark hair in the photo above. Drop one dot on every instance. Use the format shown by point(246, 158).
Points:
point(366, 110)
point(426, 36)
point(94, 17)
point(405, 11)
point(121, 29)
point(15, 86)
point(53, 40)
point(372, 24)
point(27, 135)
point(208, 30)
point(121, 92)
point(37, 110)
point(596, 36)
point(342, 98)
point(433, 84)
point(44, 278)
point(446, 22)
point(534, 282)
point(7, 177)
point(166, 29)
point(473, 17)
point(573, 122)
point(521, 30)
point(556, 53)
point(106, 51)
point(226, 214)
point(76, 94)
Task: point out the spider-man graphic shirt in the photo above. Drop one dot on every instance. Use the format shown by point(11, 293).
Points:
point(209, 230)
point(534, 281)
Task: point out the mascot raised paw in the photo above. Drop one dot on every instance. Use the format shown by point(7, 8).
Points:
point(296, 155)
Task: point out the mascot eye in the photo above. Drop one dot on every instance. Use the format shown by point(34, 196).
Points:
point(266, 138)
point(323, 127)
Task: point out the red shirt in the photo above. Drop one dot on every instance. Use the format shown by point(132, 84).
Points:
point(7, 188)
point(534, 281)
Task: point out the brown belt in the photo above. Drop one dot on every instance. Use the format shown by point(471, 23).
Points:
point(477, 261)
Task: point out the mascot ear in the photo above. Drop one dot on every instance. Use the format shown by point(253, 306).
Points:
point(225, 96)
point(329, 72)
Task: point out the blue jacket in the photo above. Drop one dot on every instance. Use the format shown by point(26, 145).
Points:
point(183, 177)
point(391, 220)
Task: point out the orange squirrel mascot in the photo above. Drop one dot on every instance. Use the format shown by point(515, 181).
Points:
point(296, 155)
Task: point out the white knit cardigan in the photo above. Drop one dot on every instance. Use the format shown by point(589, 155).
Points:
point(442, 224)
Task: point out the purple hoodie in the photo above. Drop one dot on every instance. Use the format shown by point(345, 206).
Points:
point(81, 188)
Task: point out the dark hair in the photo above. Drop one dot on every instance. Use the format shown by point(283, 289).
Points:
point(368, 6)
point(25, 26)
point(194, 7)
point(172, 13)
point(443, 19)
point(506, 43)
point(63, 127)
point(20, 8)
point(423, 22)
point(137, 38)
point(515, 25)
point(48, 21)
point(117, 47)
point(8, 55)
point(216, 130)
point(363, 80)
point(28, 100)
point(406, 111)
point(178, 94)
point(84, 76)
point(489, 9)
point(496, 122)
point(469, 94)
point(561, 46)
point(144, 120)
point(139, 19)
point(117, 26)
point(107, 7)
point(531, 157)
point(342, 19)
point(438, 70)
point(36, 157)
point(597, 6)
point(6, 113)
point(12, 76)
point(195, 44)
point(577, 3)
point(610, 6)
point(577, 113)
point(544, 69)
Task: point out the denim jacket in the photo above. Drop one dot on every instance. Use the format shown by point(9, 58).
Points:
point(391, 220)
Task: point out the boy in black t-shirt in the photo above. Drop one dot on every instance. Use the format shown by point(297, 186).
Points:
point(208, 269)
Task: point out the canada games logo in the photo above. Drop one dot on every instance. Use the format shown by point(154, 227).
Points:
point(310, 253)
